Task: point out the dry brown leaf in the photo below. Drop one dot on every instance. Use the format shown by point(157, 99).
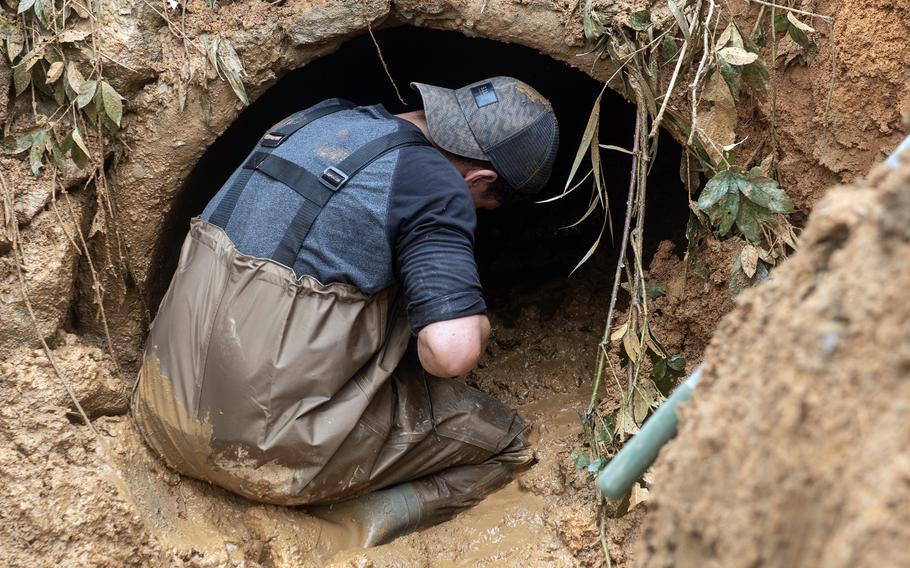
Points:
point(54, 72)
point(737, 56)
point(798, 24)
point(717, 124)
point(619, 332)
point(749, 260)
point(639, 495)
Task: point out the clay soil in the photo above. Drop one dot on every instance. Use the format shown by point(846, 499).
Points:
point(792, 454)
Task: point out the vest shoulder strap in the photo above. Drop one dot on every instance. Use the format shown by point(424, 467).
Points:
point(328, 183)
point(316, 190)
point(270, 141)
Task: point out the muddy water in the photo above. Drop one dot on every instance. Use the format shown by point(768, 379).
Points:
point(195, 519)
point(538, 361)
point(511, 527)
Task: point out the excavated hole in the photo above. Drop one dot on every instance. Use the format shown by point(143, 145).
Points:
point(546, 327)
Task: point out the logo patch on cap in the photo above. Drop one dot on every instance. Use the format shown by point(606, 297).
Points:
point(484, 94)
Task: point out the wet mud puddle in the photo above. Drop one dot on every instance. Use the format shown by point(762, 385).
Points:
point(197, 521)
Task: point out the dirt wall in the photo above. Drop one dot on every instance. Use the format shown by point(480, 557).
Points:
point(793, 452)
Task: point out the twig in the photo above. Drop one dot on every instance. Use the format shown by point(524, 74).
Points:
point(827, 120)
point(622, 257)
point(794, 10)
point(666, 101)
point(773, 87)
point(112, 60)
point(23, 289)
point(761, 14)
point(698, 72)
point(379, 53)
point(603, 540)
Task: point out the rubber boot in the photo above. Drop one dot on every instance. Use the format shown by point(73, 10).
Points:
point(378, 517)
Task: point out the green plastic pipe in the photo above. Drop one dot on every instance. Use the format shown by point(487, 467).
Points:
point(637, 456)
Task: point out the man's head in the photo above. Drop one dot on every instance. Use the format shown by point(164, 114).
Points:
point(500, 133)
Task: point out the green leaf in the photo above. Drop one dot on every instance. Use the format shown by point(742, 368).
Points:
point(19, 145)
point(716, 188)
point(24, 5)
point(641, 20)
point(761, 38)
point(229, 63)
point(36, 152)
point(111, 102)
point(799, 37)
point(764, 191)
point(57, 153)
point(668, 48)
point(593, 26)
point(22, 77)
point(727, 210)
point(747, 221)
point(677, 363)
point(731, 76)
point(86, 93)
point(42, 7)
point(655, 290)
point(781, 23)
point(756, 76)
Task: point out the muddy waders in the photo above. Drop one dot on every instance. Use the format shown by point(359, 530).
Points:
point(289, 391)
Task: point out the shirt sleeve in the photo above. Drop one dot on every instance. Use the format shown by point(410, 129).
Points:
point(431, 223)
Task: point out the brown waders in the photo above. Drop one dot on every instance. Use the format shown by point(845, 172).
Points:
point(288, 391)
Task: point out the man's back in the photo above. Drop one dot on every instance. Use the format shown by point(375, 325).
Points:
point(406, 218)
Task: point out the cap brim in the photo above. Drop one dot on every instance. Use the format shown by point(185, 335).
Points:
point(446, 122)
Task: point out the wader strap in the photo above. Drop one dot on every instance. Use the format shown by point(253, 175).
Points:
point(272, 139)
point(332, 179)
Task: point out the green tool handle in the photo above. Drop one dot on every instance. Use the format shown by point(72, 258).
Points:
point(637, 456)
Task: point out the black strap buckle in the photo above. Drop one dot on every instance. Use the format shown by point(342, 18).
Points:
point(272, 140)
point(333, 178)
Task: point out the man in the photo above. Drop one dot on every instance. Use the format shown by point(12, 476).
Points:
point(280, 365)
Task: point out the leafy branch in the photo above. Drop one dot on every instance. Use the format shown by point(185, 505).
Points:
point(698, 44)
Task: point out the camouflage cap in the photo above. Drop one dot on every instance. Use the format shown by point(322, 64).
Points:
point(501, 120)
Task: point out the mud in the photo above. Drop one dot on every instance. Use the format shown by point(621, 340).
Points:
point(76, 501)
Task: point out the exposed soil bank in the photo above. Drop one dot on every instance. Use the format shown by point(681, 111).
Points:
point(794, 451)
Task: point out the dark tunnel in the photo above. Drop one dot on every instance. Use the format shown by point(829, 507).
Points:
point(518, 248)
